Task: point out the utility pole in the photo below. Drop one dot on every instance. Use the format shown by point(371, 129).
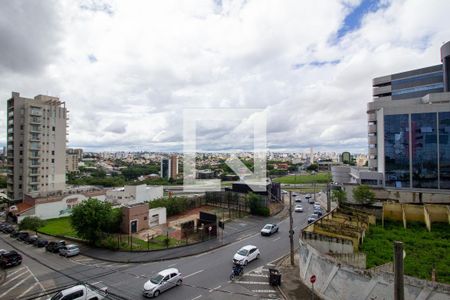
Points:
point(399, 292)
point(291, 230)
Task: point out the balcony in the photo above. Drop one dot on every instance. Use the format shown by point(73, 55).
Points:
point(10, 138)
point(382, 90)
point(10, 122)
point(35, 164)
point(34, 183)
point(372, 139)
point(373, 151)
point(10, 130)
point(372, 117)
point(372, 128)
point(11, 114)
point(35, 120)
point(35, 138)
point(35, 129)
point(10, 147)
point(35, 112)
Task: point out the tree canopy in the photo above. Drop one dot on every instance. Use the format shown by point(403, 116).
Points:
point(92, 218)
point(362, 194)
point(31, 223)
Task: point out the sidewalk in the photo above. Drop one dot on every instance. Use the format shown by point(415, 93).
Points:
point(234, 231)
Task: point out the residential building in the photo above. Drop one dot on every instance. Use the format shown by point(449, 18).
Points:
point(409, 127)
point(36, 145)
point(76, 151)
point(173, 166)
point(165, 168)
point(72, 161)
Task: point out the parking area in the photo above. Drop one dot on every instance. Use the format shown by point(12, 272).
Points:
point(20, 276)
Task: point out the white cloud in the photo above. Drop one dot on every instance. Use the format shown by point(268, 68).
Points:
point(126, 69)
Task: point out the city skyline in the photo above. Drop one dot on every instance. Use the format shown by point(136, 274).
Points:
point(127, 71)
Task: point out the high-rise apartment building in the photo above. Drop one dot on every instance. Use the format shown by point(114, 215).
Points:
point(173, 166)
point(165, 168)
point(409, 127)
point(36, 145)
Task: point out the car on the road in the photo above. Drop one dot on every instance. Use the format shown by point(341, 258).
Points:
point(80, 292)
point(294, 194)
point(10, 258)
point(162, 281)
point(22, 236)
point(318, 212)
point(298, 199)
point(40, 243)
point(246, 254)
point(298, 208)
point(269, 229)
point(54, 246)
point(69, 250)
point(312, 218)
point(284, 192)
point(308, 196)
point(30, 239)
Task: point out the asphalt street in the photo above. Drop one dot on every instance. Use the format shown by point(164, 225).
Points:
point(206, 276)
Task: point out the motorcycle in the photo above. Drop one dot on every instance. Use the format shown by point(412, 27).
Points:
point(237, 272)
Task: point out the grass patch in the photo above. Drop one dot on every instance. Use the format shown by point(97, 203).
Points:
point(423, 249)
point(301, 179)
point(59, 226)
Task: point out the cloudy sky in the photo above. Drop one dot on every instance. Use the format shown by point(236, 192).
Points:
point(128, 69)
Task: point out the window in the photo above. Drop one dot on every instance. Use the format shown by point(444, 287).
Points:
point(53, 128)
point(444, 149)
point(74, 295)
point(173, 275)
point(53, 152)
point(166, 278)
point(53, 160)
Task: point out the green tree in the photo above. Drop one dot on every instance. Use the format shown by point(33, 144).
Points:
point(31, 223)
point(255, 205)
point(339, 195)
point(92, 218)
point(2, 182)
point(362, 194)
point(313, 167)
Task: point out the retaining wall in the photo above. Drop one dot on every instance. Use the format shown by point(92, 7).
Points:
point(336, 281)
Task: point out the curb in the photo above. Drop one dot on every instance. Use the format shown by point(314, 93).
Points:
point(154, 260)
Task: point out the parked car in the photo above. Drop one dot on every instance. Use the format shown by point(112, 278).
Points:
point(162, 281)
point(3, 251)
point(54, 246)
point(31, 238)
point(318, 212)
point(80, 292)
point(69, 250)
point(40, 243)
point(269, 229)
point(246, 254)
point(14, 234)
point(316, 203)
point(7, 228)
point(298, 208)
point(10, 258)
point(317, 206)
point(22, 236)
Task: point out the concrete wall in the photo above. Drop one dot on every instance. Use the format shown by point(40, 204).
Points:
point(160, 213)
point(137, 212)
point(326, 244)
point(336, 281)
point(57, 209)
point(131, 194)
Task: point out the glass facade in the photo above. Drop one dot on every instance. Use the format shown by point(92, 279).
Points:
point(444, 149)
point(396, 150)
point(424, 150)
point(417, 85)
point(427, 137)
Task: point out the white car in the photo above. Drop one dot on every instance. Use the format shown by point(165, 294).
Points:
point(298, 208)
point(246, 254)
point(80, 292)
point(162, 281)
point(298, 199)
point(269, 229)
point(69, 250)
point(317, 206)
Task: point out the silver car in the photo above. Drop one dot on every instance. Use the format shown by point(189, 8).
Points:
point(162, 281)
point(69, 250)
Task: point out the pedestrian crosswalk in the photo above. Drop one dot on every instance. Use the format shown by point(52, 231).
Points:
point(20, 276)
point(257, 281)
point(87, 261)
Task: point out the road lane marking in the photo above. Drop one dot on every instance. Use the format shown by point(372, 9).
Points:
point(263, 291)
point(16, 285)
point(253, 282)
point(257, 275)
point(216, 288)
point(169, 266)
point(32, 274)
point(192, 274)
point(198, 297)
point(15, 271)
point(15, 278)
point(20, 296)
point(274, 240)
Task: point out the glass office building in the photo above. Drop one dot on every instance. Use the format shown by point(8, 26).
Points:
point(409, 127)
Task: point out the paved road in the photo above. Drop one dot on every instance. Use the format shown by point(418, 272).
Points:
point(206, 275)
